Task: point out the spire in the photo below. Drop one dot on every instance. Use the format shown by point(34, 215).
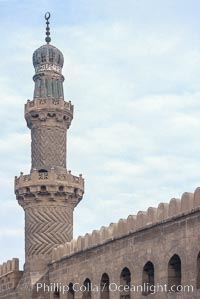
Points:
point(47, 17)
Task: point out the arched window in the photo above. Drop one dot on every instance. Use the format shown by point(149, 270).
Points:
point(174, 273)
point(125, 280)
point(105, 286)
point(56, 293)
point(70, 293)
point(198, 271)
point(87, 291)
point(148, 278)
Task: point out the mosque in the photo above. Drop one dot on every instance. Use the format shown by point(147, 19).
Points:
point(154, 254)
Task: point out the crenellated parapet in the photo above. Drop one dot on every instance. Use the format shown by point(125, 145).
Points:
point(10, 275)
point(188, 203)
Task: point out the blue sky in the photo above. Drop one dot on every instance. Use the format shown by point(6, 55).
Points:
point(132, 71)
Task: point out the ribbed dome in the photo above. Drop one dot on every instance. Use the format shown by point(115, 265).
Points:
point(48, 54)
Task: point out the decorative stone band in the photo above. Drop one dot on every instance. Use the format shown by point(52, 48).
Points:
point(9, 266)
point(62, 184)
point(144, 219)
point(48, 67)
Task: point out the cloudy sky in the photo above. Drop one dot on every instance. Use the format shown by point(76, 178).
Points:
point(132, 71)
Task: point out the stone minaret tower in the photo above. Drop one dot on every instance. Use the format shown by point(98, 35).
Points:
point(50, 192)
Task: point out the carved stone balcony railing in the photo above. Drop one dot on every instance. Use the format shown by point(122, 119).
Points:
point(40, 103)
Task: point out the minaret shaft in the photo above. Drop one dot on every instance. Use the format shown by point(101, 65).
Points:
point(48, 147)
point(48, 87)
point(46, 227)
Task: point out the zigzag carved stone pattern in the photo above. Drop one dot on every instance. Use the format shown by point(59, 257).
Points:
point(48, 147)
point(47, 227)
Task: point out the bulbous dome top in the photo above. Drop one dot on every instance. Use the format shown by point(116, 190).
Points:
point(48, 54)
point(48, 57)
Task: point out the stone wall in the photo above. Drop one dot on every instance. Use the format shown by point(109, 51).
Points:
point(143, 219)
point(153, 236)
point(10, 276)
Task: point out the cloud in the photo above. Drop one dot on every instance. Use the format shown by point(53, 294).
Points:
point(135, 87)
point(11, 230)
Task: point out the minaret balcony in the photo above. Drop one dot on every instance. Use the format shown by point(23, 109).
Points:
point(52, 185)
point(48, 109)
point(48, 103)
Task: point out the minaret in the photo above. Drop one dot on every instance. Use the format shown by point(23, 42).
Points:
point(50, 192)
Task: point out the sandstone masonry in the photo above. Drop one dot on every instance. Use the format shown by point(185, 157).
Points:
point(154, 254)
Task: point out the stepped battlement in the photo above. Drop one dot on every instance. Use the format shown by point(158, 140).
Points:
point(9, 266)
point(10, 274)
point(188, 203)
